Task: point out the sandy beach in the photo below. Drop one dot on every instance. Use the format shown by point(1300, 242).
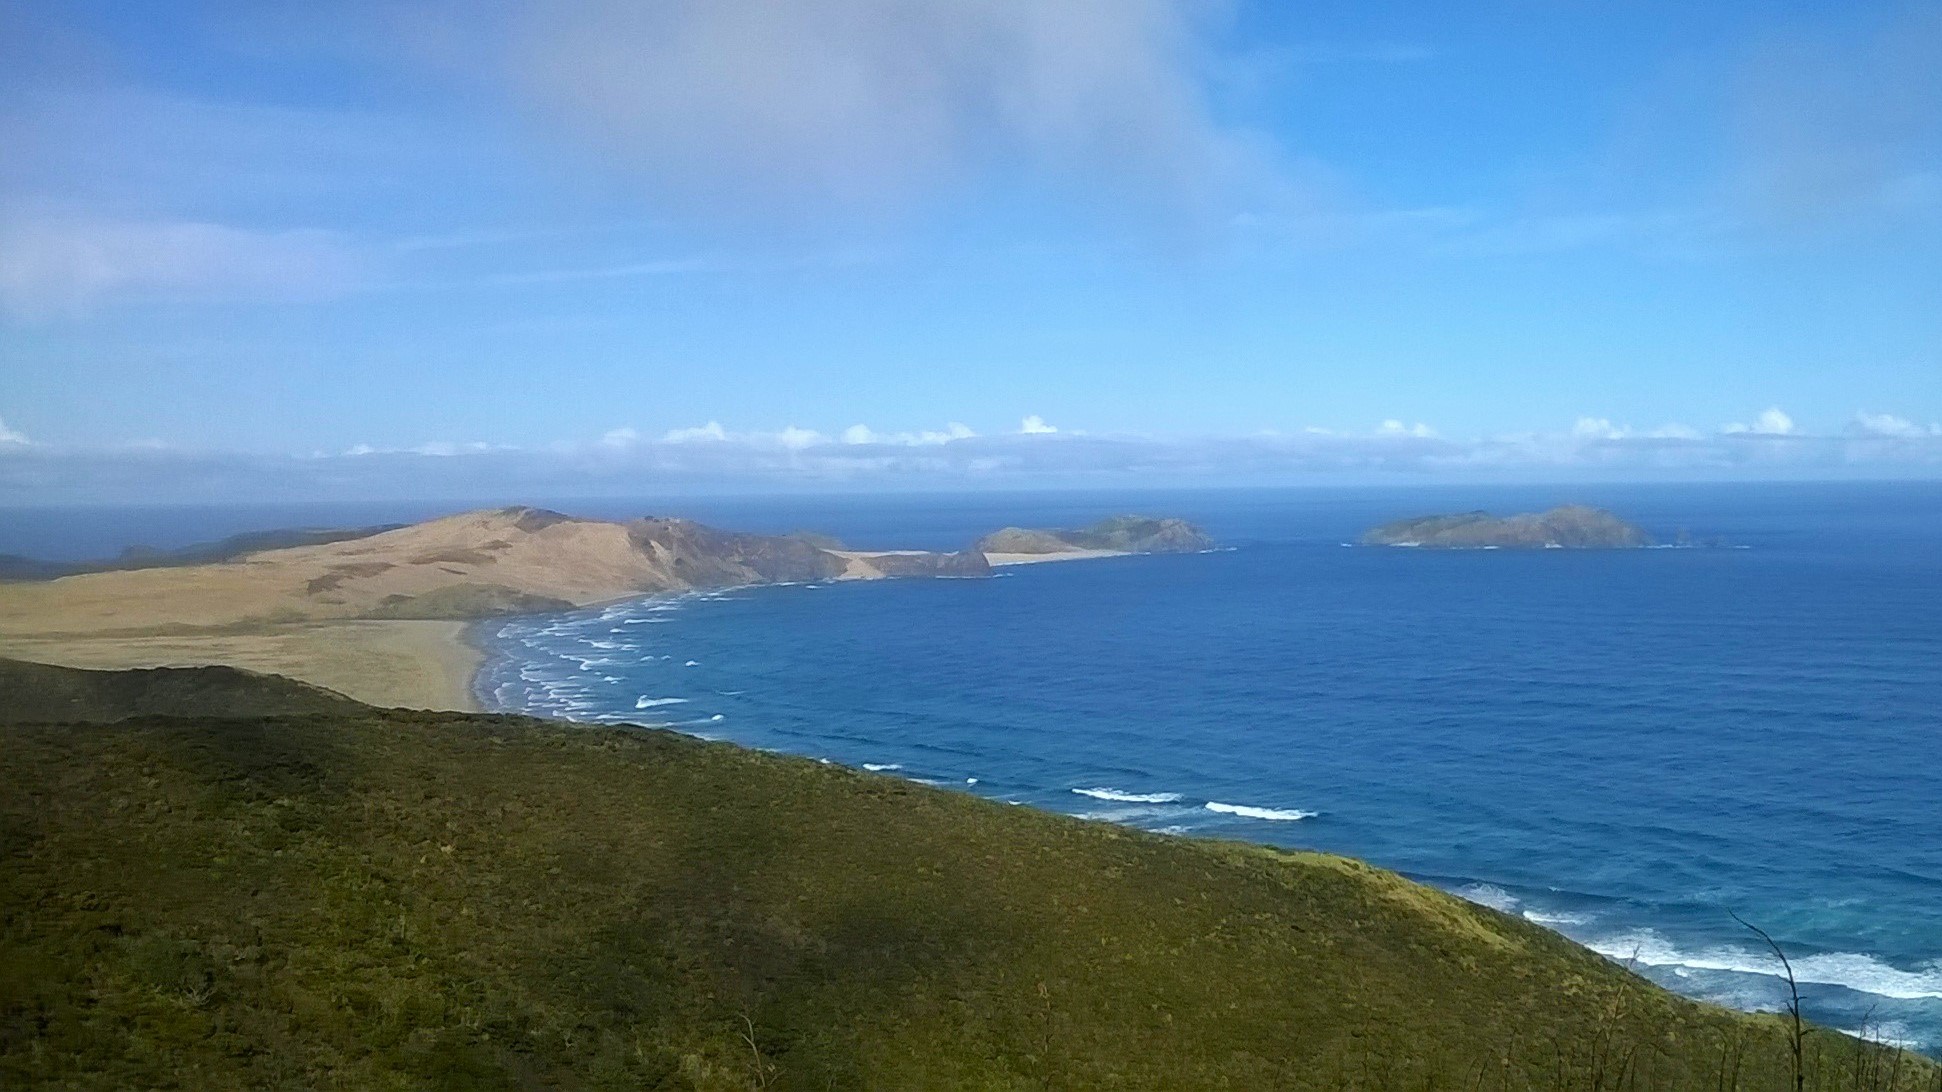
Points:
point(409, 664)
point(1061, 555)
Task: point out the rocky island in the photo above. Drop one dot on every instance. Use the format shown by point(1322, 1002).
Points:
point(1571, 527)
point(1118, 535)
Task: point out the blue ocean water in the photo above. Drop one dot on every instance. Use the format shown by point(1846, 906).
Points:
point(1624, 746)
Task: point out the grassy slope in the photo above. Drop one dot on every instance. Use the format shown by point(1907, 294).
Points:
point(393, 899)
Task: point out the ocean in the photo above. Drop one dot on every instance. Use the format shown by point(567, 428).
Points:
point(1629, 747)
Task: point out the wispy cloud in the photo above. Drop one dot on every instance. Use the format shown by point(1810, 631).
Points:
point(743, 110)
point(11, 437)
point(1841, 127)
point(55, 263)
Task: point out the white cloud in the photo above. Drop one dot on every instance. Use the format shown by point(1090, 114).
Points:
point(864, 434)
point(801, 458)
point(712, 431)
point(57, 263)
point(1393, 427)
point(11, 438)
point(435, 449)
point(1889, 425)
point(1598, 428)
point(1773, 421)
point(620, 438)
point(750, 108)
point(1034, 425)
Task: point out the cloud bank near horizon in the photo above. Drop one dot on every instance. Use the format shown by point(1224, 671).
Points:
point(713, 458)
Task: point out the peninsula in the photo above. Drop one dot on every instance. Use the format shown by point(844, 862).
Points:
point(1571, 527)
point(380, 613)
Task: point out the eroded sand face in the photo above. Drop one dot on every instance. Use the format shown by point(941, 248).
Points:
point(296, 611)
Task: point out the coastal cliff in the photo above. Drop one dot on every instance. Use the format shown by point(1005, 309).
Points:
point(1574, 527)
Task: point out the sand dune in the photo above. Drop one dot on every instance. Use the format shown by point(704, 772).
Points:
point(381, 618)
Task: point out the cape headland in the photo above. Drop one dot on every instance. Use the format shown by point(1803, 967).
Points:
point(380, 613)
point(1570, 527)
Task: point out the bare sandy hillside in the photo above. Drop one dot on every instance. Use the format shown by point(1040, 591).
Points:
point(381, 617)
point(477, 564)
point(378, 617)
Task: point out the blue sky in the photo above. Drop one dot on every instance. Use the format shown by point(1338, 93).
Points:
point(855, 243)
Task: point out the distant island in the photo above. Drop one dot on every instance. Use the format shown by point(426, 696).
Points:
point(1571, 527)
point(1118, 535)
point(381, 613)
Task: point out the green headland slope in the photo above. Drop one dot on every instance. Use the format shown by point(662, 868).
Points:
point(377, 899)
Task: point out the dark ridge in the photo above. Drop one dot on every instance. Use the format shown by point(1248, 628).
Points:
point(535, 519)
point(45, 693)
point(16, 567)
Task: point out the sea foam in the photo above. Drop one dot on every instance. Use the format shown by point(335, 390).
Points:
point(1121, 797)
point(645, 702)
point(1248, 811)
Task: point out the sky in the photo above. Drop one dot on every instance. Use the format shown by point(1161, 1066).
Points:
point(468, 248)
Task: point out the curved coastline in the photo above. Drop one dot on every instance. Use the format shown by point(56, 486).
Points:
point(1663, 950)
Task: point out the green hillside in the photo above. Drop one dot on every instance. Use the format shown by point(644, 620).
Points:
point(410, 900)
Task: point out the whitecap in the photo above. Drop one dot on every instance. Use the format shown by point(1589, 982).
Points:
point(645, 702)
point(1123, 797)
point(1850, 970)
point(692, 663)
point(1891, 1034)
point(879, 767)
point(1248, 811)
point(1556, 918)
point(1489, 894)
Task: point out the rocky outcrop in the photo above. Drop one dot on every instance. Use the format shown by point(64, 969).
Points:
point(1574, 527)
point(698, 556)
point(908, 563)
